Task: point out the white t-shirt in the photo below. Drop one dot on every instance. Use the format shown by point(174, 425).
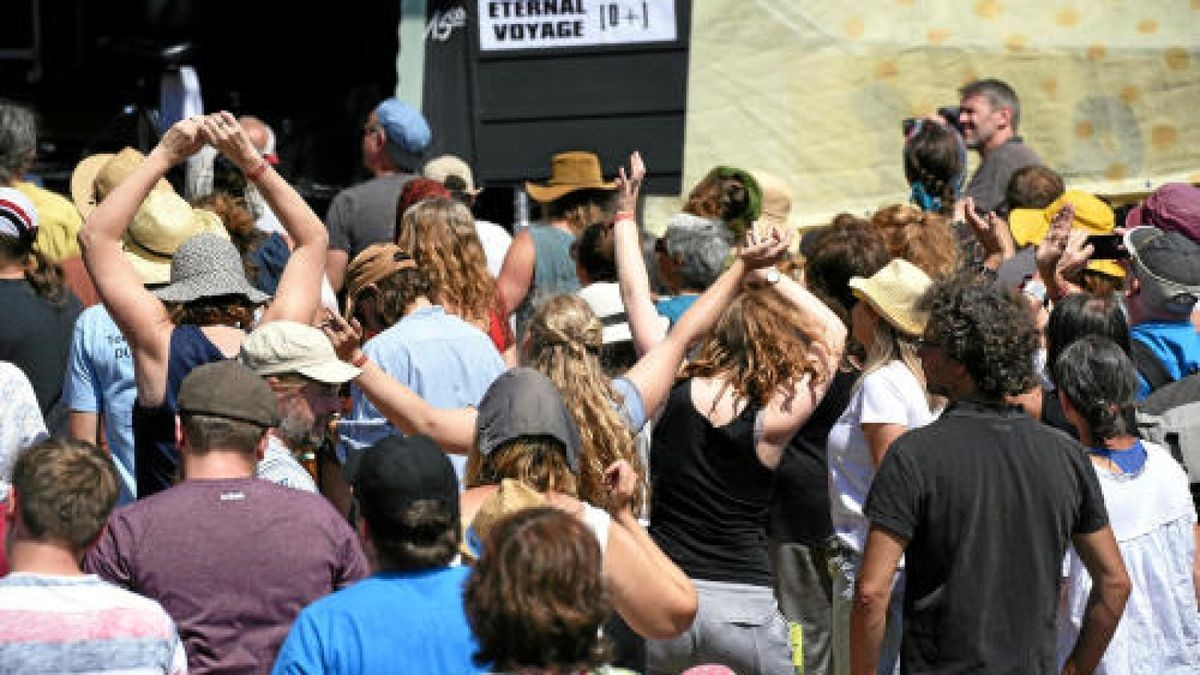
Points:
point(1153, 519)
point(495, 241)
point(889, 395)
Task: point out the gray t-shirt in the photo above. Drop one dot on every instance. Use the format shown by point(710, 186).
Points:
point(365, 214)
point(990, 181)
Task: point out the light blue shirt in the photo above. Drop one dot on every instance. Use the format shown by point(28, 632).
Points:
point(445, 360)
point(99, 379)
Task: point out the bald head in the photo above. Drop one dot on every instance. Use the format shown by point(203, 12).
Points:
point(258, 131)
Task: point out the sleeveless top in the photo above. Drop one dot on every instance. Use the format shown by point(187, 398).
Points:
point(710, 493)
point(156, 457)
point(553, 271)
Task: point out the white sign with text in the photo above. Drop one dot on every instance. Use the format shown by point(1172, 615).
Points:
point(545, 24)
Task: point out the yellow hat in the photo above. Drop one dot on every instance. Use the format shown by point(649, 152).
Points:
point(1029, 226)
point(162, 223)
point(96, 175)
point(893, 293)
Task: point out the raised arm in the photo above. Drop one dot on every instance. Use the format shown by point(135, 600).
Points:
point(298, 295)
point(650, 592)
point(787, 410)
point(453, 430)
point(644, 321)
point(140, 315)
point(655, 372)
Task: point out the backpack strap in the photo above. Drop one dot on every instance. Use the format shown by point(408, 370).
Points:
point(1149, 365)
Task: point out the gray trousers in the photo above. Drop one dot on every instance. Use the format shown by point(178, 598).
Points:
point(804, 589)
point(737, 625)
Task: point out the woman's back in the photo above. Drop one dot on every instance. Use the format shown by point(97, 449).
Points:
point(710, 492)
point(37, 338)
point(1154, 521)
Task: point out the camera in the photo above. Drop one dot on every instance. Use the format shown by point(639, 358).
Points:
point(949, 115)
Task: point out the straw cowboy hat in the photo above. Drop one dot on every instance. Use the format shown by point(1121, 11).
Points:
point(162, 223)
point(570, 171)
point(893, 292)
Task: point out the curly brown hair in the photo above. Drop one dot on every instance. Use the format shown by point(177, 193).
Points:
point(923, 239)
point(760, 345)
point(440, 235)
point(537, 596)
point(537, 461)
point(564, 345)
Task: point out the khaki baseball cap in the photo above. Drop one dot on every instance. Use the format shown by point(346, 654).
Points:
point(283, 347)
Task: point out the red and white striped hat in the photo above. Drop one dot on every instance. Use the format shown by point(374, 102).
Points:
point(18, 216)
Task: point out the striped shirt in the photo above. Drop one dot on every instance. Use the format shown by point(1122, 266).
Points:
point(81, 624)
point(280, 467)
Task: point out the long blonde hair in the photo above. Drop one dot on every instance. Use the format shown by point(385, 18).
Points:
point(760, 345)
point(564, 345)
point(890, 345)
point(440, 235)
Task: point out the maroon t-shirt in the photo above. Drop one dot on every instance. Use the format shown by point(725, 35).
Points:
point(232, 561)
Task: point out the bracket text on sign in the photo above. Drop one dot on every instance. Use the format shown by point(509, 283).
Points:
point(546, 24)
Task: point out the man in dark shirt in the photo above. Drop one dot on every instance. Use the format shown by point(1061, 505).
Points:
point(983, 503)
point(232, 558)
point(988, 115)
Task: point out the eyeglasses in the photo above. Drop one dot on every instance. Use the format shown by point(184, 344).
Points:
point(927, 344)
point(370, 129)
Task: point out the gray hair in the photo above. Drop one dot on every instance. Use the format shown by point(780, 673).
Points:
point(1162, 296)
point(999, 95)
point(18, 140)
point(701, 245)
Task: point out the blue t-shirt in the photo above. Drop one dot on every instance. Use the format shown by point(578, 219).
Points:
point(1175, 343)
point(445, 360)
point(673, 308)
point(410, 622)
point(100, 380)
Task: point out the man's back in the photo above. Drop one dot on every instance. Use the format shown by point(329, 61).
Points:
point(359, 631)
point(78, 624)
point(233, 561)
point(365, 214)
point(988, 500)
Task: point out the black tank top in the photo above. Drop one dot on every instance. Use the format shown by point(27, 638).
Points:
point(709, 493)
point(156, 459)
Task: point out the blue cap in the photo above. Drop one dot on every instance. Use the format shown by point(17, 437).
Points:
point(405, 127)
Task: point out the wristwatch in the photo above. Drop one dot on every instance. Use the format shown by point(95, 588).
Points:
point(772, 276)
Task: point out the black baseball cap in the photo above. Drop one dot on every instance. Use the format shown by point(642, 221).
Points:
point(395, 472)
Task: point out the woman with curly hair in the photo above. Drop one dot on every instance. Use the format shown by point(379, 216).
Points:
point(920, 237)
point(536, 599)
point(440, 235)
point(755, 379)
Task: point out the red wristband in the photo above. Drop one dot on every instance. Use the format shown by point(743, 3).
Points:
point(360, 361)
point(258, 170)
point(623, 215)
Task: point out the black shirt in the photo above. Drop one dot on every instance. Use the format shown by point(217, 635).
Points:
point(709, 493)
point(800, 508)
point(35, 336)
point(988, 499)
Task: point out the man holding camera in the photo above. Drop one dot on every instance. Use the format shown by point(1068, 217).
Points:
point(988, 115)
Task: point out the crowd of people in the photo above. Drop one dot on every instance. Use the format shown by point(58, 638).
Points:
point(240, 437)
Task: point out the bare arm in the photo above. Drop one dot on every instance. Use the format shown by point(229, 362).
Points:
point(655, 372)
point(644, 321)
point(1106, 602)
point(650, 592)
point(872, 594)
point(1196, 567)
point(336, 262)
point(789, 409)
point(516, 274)
point(453, 430)
point(879, 438)
point(299, 292)
point(84, 426)
point(140, 315)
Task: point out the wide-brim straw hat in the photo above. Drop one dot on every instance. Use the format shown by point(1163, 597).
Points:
point(96, 176)
point(207, 266)
point(161, 225)
point(893, 293)
point(570, 171)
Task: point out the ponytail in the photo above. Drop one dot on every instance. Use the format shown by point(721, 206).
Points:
point(46, 277)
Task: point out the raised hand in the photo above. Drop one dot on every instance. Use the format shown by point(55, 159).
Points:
point(993, 233)
point(765, 247)
point(224, 133)
point(346, 337)
point(628, 185)
point(182, 140)
point(622, 482)
point(1055, 242)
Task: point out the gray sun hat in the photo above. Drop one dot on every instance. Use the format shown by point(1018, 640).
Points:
point(524, 402)
point(207, 266)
